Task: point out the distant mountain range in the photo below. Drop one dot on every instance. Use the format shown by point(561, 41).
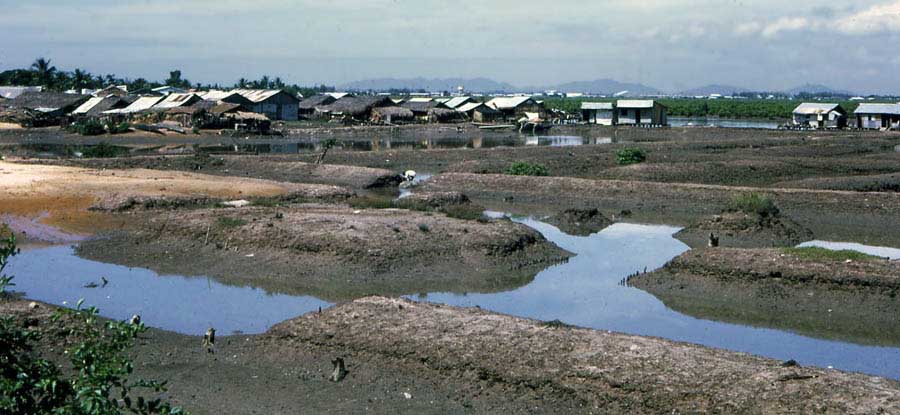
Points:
point(597, 87)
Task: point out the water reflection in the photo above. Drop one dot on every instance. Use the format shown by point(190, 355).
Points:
point(723, 123)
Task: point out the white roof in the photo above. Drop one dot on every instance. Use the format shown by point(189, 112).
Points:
point(337, 95)
point(420, 99)
point(168, 89)
point(596, 105)
point(635, 103)
point(90, 103)
point(456, 101)
point(215, 95)
point(469, 106)
point(866, 108)
point(507, 102)
point(811, 108)
point(257, 95)
point(142, 103)
point(175, 100)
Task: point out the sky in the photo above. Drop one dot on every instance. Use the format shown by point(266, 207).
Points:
point(669, 44)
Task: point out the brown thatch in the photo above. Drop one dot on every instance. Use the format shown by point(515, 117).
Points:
point(310, 104)
point(444, 115)
point(22, 116)
point(392, 114)
point(224, 108)
point(358, 107)
point(48, 100)
point(418, 107)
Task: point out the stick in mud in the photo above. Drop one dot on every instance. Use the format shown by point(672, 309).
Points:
point(209, 340)
point(340, 371)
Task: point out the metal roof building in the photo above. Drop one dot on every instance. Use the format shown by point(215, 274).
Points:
point(877, 116)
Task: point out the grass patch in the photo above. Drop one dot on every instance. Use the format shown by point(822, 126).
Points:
point(228, 222)
point(628, 156)
point(753, 203)
point(524, 168)
point(371, 202)
point(266, 202)
point(815, 253)
point(465, 212)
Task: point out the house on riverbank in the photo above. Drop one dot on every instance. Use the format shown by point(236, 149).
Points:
point(640, 112)
point(276, 104)
point(514, 108)
point(600, 113)
point(820, 115)
point(877, 116)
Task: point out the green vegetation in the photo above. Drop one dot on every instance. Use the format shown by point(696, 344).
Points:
point(753, 203)
point(229, 222)
point(628, 156)
point(97, 381)
point(371, 202)
point(524, 168)
point(466, 211)
point(102, 150)
point(821, 254)
point(8, 250)
point(88, 127)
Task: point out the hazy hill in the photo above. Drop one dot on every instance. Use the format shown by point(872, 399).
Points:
point(430, 84)
point(816, 89)
point(605, 87)
point(726, 90)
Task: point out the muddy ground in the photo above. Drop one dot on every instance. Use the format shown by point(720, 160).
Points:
point(333, 252)
point(420, 358)
point(775, 288)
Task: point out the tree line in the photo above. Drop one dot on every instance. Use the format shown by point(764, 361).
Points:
point(43, 73)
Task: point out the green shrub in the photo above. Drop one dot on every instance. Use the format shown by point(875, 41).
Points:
point(119, 128)
point(88, 127)
point(424, 227)
point(628, 156)
point(228, 222)
point(524, 168)
point(464, 211)
point(371, 202)
point(753, 203)
point(8, 250)
point(102, 150)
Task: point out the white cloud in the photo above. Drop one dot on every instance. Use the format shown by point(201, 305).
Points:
point(876, 19)
point(785, 24)
point(749, 28)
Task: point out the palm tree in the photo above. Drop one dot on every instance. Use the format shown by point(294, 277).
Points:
point(242, 83)
point(44, 71)
point(81, 79)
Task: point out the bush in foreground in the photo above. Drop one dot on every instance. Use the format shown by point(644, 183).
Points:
point(628, 156)
point(753, 203)
point(524, 168)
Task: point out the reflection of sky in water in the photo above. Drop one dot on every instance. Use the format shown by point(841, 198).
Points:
point(586, 292)
point(881, 251)
point(184, 305)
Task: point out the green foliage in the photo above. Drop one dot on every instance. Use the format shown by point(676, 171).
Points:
point(821, 254)
point(465, 211)
point(776, 109)
point(628, 156)
point(524, 168)
point(100, 368)
point(229, 222)
point(8, 250)
point(88, 127)
point(753, 203)
point(424, 228)
point(119, 128)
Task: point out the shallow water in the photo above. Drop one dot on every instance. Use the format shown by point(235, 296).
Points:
point(880, 251)
point(182, 304)
point(589, 290)
point(723, 123)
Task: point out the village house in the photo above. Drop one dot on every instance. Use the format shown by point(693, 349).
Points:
point(479, 112)
point(276, 104)
point(307, 107)
point(514, 108)
point(96, 106)
point(820, 115)
point(877, 116)
point(640, 112)
point(166, 90)
point(177, 100)
point(352, 107)
point(600, 113)
point(456, 102)
point(139, 105)
point(11, 92)
point(230, 97)
point(392, 115)
point(51, 104)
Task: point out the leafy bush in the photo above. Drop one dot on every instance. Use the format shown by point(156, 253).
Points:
point(102, 150)
point(753, 203)
point(464, 211)
point(8, 250)
point(524, 168)
point(88, 127)
point(100, 367)
point(371, 202)
point(119, 128)
point(628, 156)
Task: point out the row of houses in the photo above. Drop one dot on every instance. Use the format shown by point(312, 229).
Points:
point(868, 116)
point(625, 112)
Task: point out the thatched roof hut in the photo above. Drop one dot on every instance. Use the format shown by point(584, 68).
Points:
point(356, 107)
point(309, 105)
point(55, 103)
point(392, 115)
point(420, 108)
point(444, 115)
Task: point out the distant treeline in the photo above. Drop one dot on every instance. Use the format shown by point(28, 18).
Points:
point(43, 73)
point(776, 109)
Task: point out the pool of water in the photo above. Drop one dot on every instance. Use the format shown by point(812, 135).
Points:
point(590, 290)
point(182, 304)
point(880, 251)
point(723, 123)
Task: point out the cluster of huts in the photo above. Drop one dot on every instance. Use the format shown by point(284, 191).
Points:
point(869, 116)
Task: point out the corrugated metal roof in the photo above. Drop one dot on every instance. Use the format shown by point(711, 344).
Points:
point(864, 108)
point(90, 103)
point(142, 104)
point(257, 95)
point(215, 95)
point(596, 105)
point(420, 99)
point(507, 102)
point(456, 101)
point(635, 103)
point(177, 100)
point(337, 95)
point(811, 108)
